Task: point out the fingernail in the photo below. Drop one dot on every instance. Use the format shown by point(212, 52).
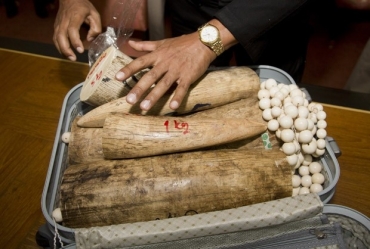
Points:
point(145, 105)
point(131, 98)
point(120, 76)
point(80, 50)
point(174, 105)
point(72, 58)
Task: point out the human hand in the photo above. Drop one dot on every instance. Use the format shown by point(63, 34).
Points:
point(71, 15)
point(181, 60)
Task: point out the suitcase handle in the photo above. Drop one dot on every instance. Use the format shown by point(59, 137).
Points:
point(334, 146)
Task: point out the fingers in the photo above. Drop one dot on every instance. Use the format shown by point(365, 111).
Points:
point(67, 25)
point(179, 60)
point(133, 67)
point(145, 46)
point(181, 90)
point(61, 41)
point(158, 91)
point(144, 84)
point(95, 26)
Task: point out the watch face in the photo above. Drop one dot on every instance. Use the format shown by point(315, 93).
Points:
point(209, 34)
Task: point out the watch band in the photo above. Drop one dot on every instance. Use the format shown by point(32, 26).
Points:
point(217, 47)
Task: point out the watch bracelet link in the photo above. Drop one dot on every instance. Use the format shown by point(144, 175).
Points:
point(218, 48)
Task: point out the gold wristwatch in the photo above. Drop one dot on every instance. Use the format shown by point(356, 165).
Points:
point(210, 36)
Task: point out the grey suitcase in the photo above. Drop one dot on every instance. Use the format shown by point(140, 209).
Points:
point(46, 235)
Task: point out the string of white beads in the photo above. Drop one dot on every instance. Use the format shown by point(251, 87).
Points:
point(300, 126)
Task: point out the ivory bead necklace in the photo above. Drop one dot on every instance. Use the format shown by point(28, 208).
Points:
point(300, 126)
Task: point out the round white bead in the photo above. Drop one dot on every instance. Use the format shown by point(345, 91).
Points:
point(270, 83)
point(307, 159)
point(275, 111)
point(264, 103)
point(281, 115)
point(318, 178)
point(317, 107)
point(286, 122)
point(304, 191)
point(300, 157)
point(295, 92)
point(321, 143)
point(319, 152)
point(303, 170)
point(306, 181)
point(311, 106)
point(313, 130)
point(298, 100)
point(288, 148)
point(315, 167)
point(263, 93)
point(310, 124)
point(300, 124)
point(278, 133)
point(287, 135)
point(315, 188)
point(295, 191)
point(313, 117)
point(321, 115)
point(273, 125)
point(280, 85)
point(305, 137)
point(309, 148)
point(66, 137)
point(321, 133)
point(273, 90)
point(279, 95)
point(315, 155)
point(266, 114)
point(292, 87)
point(275, 102)
point(291, 111)
point(263, 85)
point(303, 112)
point(287, 99)
point(285, 105)
point(57, 215)
point(321, 124)
point(296, 181)
point(285, 92)
point(292, 159)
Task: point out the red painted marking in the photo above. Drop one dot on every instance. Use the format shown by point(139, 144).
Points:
point(102, 56)
point(166, 124)
point(181, 126)
point(178, 126)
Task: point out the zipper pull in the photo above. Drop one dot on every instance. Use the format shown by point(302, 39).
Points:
point(318, 233)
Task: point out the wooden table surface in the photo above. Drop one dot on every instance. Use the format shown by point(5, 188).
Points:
point(32, 92)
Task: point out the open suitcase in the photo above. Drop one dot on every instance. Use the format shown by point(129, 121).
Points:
point(305, 221)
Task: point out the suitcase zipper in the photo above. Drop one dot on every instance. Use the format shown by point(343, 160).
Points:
point(307, 238)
